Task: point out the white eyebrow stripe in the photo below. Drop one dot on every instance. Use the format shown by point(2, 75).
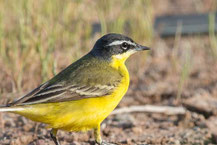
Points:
point(118, 42)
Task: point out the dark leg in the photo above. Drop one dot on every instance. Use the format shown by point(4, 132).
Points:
point(53, 134)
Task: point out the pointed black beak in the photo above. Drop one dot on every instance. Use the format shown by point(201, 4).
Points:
point(141, 48)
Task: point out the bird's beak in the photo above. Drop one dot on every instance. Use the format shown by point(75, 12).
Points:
point(141, 48)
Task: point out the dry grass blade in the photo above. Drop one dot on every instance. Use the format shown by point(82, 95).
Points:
point(168, 110)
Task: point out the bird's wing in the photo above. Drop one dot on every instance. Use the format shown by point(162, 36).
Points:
point(29, 95)
point(61, 93)
point(74, 84)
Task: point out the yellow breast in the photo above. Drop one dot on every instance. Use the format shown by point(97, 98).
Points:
point(80, 115)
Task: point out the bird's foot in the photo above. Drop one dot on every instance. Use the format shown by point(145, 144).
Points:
point(107, 143)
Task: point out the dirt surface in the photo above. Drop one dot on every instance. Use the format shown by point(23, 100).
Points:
point(178, 72)
point(157, 83)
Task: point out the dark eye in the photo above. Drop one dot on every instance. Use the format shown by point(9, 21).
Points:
point(124, 45)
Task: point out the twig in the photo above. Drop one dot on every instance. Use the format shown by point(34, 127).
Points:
point(168, 110)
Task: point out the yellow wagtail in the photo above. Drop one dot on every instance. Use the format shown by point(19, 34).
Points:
point(81, 96)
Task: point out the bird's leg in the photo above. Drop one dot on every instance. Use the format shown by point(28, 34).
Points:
point(98, 139)
point(53, 134)
point(97, 135)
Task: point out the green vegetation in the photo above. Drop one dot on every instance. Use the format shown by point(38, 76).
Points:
point(212, 36)
point(39, 38)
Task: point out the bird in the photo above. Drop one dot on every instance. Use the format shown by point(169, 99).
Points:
point(82, 95)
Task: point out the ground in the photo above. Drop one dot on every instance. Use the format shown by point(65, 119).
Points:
point(178, 71)
point(159, 83)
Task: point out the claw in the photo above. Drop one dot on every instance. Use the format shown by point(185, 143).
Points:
point(107, 143)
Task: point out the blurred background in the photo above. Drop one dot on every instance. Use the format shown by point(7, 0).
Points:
point(40, 38)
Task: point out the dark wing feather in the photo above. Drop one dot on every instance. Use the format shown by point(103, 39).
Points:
point(29, 95)
point(69, 93)
point(84, 79)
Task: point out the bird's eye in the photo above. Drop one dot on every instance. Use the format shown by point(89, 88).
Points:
point(124, 45)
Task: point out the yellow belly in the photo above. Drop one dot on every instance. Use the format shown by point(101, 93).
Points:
point(79, 115)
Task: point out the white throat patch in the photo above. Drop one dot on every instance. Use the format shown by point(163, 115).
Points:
point(124, 55)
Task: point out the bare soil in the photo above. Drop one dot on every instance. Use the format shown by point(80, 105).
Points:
point(157, 83)
point(158, 80)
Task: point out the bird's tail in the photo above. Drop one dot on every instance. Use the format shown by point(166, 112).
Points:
point(10, 109)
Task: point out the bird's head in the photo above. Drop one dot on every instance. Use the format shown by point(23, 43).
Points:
point(116, 46)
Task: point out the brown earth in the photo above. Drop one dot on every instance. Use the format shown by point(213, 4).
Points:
point(187, 67)
point(157, 83)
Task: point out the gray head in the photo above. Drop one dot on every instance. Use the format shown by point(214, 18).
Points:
point(115, 45)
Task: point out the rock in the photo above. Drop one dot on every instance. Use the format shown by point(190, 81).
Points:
point(212, 125)
point(202, 103)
